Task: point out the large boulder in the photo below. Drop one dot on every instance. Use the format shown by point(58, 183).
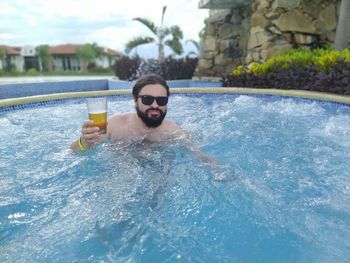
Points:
point(295, 21)
point(258, 37)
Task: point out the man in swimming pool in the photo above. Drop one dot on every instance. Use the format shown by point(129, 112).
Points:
point(150, 95)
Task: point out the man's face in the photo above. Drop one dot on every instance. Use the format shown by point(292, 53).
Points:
point(147, 108)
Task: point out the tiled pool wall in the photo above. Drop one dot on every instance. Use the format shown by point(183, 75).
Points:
point(115, 85)
point(16, 90)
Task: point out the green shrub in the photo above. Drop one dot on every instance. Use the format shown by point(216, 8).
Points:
point(32, 72)
point(321, 59)
point(126, 67)
point(322, 70)
point(10, 67)
point(170, 69)
point(327, 58)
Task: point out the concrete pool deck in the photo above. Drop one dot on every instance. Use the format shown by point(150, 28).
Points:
point(36, 79)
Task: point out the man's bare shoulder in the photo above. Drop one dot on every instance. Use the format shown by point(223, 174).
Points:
point(171, 125)
point(173, 130)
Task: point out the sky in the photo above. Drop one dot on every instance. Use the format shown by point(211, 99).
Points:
point(105, 22)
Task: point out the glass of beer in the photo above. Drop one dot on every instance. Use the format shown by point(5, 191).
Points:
point(97, 109)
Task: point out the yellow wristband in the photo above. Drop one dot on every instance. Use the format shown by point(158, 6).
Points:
point(81, 146)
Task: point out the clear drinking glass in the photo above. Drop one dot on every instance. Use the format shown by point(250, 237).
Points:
point(97, 109)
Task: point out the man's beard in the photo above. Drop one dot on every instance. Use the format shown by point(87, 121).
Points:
point(151, 122)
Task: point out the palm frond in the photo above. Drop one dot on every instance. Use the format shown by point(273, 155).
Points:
point(176, 32)
point(195, 43)
point(175, 45)
point(161, 22)
point(137, 41)
point(148, 23)
point(192, 54)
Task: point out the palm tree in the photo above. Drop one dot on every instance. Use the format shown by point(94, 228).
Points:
point(44, 57)
point(343, 27)
point(197, 45)
point(2, 57)
point(161, 34)
point(86, 53)
point(98, 50)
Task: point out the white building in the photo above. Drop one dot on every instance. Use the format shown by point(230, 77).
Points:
point(63, 58)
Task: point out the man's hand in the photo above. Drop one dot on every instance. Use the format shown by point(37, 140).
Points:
point(89, 134)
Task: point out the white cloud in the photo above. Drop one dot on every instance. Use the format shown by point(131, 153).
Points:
point(8, 10)
point(88, 10)
point(6, 36)
point(117, 36)
point(106, 22)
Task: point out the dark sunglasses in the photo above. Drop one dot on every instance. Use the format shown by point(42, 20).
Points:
point(148, 100)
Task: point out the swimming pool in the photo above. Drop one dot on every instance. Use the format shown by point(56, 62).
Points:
point(286, 197)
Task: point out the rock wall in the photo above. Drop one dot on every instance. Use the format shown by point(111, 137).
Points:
point(262, 29)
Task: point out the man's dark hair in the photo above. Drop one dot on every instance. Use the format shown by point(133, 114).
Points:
point(146, 80)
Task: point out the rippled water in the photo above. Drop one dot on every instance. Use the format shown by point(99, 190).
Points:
point(285, 197)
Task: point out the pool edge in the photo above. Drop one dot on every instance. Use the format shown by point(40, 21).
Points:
point(59, 96)
point(276, 92)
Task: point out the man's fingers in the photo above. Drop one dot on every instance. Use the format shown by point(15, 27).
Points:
point(89, 130)
point(91, 138)
point(88, 127)
point(88, 123)
point(89, 133)
point(88, 136)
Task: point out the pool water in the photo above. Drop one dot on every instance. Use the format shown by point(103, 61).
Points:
point(285, 197)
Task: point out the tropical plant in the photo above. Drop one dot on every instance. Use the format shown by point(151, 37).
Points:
point(2, 56)
point(323, 70)
point(182, 68)
point(86, 53)
point(98, 50)
point(322, 59)
point(162, 36)
point(343, 26)
point(196, 45)
point(204, 32)
point(32, 72)
point(150, 66)
point(171, 68)
point(126, 68)
point(44, 55)
point(2, 52)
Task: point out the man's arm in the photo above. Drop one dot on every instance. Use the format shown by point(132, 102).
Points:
point(188, 142)
point(214, 166)
point(89, 137)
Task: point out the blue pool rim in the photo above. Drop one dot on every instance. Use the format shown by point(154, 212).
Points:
point(57, 98)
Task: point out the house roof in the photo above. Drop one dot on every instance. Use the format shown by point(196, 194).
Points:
point(65, 49)
point(112, 52)
point(69, 49)
point(11, 50)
